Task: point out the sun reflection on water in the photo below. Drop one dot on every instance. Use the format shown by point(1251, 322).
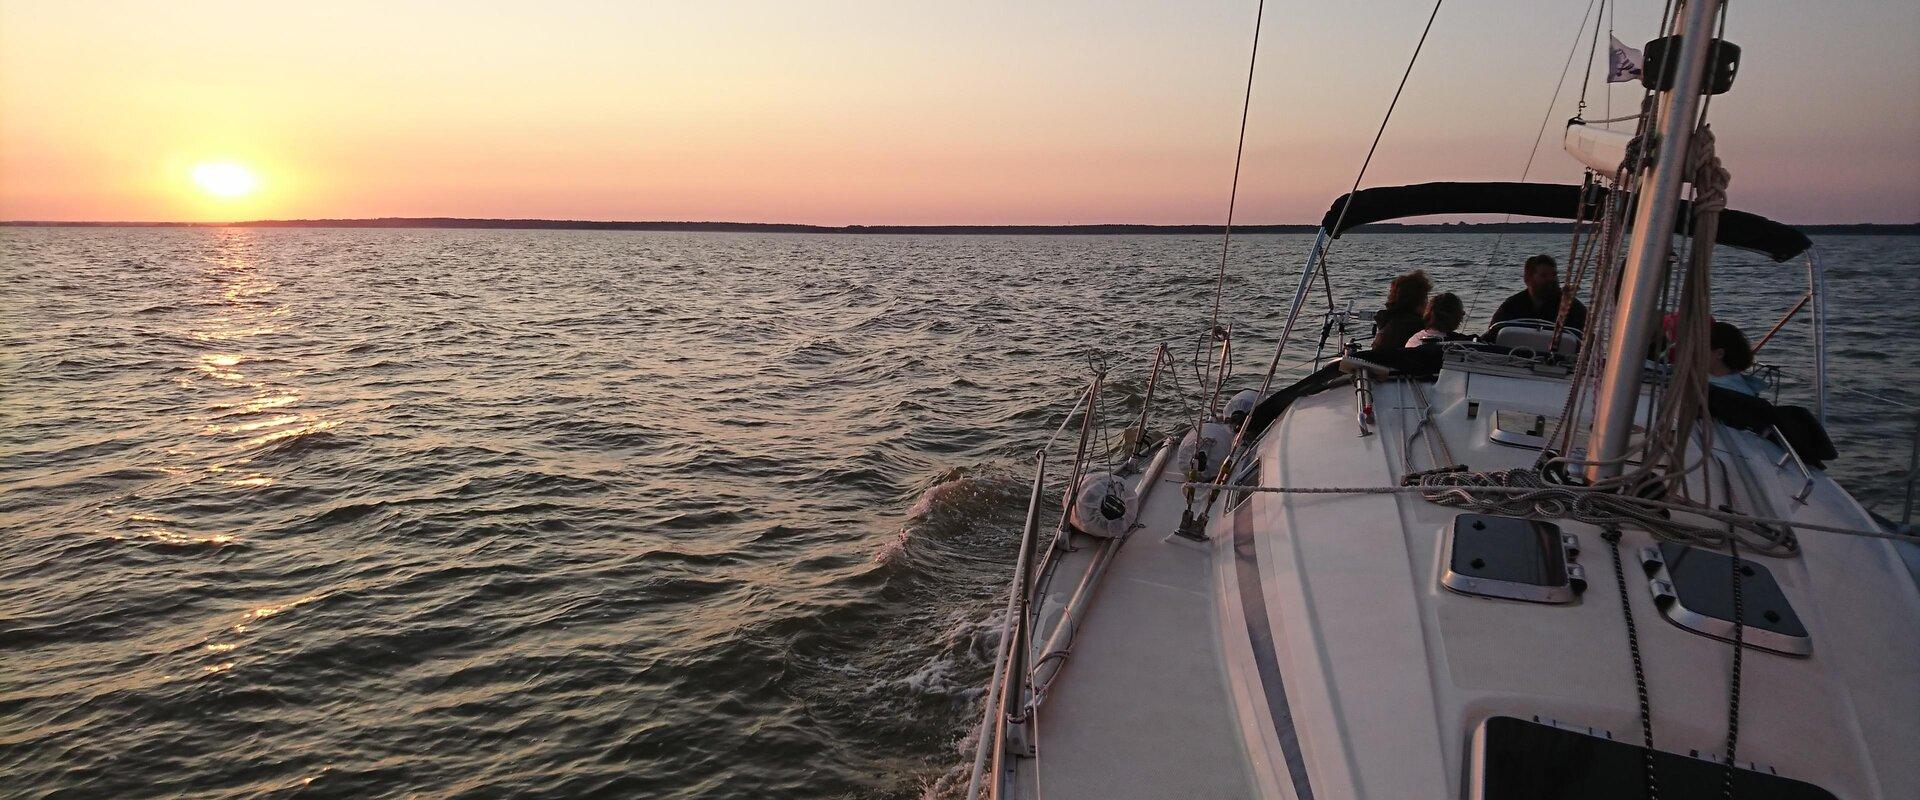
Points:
point(241, 317)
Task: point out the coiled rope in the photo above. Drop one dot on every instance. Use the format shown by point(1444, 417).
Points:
point(1524, 492)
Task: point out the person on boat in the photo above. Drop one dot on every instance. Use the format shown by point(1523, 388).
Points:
point(1444, 314)
point(1541, 299)
point(1404, 315)
point(1732, 357)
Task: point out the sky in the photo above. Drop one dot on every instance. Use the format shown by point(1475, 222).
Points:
point(898, 112)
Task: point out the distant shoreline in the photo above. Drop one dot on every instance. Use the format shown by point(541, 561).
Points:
point(1853, 229)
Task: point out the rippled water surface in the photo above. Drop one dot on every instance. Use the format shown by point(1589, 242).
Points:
point(344, 513)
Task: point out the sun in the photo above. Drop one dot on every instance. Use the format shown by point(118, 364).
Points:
point(225, 179)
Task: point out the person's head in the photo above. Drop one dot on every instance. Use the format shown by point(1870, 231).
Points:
point(1445, 312)
point(1409, 292)
point(1730, 348)
point(1542, 274)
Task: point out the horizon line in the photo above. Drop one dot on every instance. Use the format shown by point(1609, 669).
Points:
point(1109, 228)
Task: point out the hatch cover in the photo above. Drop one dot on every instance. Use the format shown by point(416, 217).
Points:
point(1694, 589)
point(1512, 558)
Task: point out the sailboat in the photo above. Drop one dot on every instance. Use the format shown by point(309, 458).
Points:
point(1548, 564)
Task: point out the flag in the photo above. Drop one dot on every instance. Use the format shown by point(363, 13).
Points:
point(1623, 62)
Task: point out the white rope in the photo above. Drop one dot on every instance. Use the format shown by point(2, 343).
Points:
point(1521, 491)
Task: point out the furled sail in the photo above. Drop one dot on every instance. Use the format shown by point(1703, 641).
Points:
point(1600, 149)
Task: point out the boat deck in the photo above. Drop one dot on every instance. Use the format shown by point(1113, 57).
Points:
point(1309, 649)
point(1160, 592)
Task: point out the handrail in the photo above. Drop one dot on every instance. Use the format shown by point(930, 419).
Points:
point(1807, 490)
point(1014, 631)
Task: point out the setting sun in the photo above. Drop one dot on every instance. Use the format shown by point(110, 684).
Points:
point(225, 179)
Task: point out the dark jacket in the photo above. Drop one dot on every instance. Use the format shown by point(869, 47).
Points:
point(1522, 306)
point(1393, 328)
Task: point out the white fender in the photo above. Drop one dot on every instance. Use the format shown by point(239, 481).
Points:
point(1104, 506)
point(1242, 403)
point(1213, 438)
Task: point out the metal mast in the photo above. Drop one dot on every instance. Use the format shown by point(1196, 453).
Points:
point(1645, 270)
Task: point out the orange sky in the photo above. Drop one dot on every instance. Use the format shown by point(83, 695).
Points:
point(882, 112)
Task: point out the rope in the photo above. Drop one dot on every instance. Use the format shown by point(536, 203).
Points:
point(1576, 509)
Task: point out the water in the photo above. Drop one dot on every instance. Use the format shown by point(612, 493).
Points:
point(341, 513)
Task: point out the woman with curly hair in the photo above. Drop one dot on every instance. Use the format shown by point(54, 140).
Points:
point(1405, 314)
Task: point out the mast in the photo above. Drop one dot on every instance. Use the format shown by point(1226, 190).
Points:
point(1645, 270)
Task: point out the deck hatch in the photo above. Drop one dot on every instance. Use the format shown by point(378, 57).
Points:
point(1512, 558)
point(1694, 590)
point(1514, 758)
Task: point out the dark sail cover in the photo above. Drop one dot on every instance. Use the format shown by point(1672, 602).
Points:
point(1550, 200)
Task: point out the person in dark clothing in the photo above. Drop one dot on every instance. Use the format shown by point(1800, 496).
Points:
point(1405, 313)
point(1541, 298)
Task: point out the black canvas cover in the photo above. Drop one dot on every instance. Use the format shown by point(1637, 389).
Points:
point(1550, 200)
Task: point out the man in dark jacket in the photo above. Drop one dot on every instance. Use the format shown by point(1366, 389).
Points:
point(1541, 298)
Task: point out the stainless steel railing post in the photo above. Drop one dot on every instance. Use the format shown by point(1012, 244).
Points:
point(1008, 669)
point(1160, 356)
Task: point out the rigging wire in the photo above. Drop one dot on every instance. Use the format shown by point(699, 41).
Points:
point(1609, 86)
point(1480, 282)
point(1344, 206)
point(1592, 50)
point(1233, 198)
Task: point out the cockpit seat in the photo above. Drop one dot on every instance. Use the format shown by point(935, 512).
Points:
point(1535, 335)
